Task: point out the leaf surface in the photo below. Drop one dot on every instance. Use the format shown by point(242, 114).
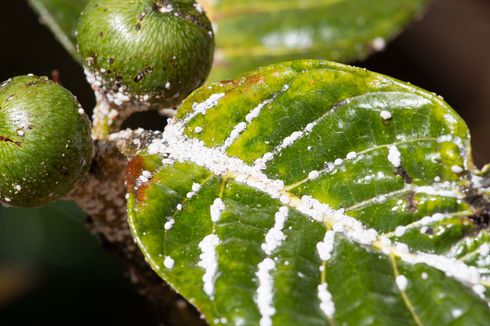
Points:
point(313, 193)
point(253, 33)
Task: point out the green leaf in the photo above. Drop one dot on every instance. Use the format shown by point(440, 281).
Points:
point(61, 16)
point(253, 33)
point(310, 192)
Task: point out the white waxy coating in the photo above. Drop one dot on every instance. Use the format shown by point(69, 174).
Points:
point(216, 209)
point(351, 155)
point(254, 113)
point(456, 169)
point(260, 163)
point(176, 147)
point(275, 236)
point(196, 187)
point(208, 261)
point(169, 224)
point(168, 262)
point(325, 247)
point(400, 231)
point(265, 291)
point(313, 175)
point(326, 302)
point(198, 130)
point(394, 156)
point(401, 282)
point(203, 107)
point(456, 313)
point(385, 115)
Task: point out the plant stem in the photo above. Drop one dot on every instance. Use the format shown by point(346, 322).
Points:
point(108, 118)
point(102, 196)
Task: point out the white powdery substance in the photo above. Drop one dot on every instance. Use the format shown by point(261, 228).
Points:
point(423, 222)
point(401, 282)
point(394, 156)
point(400, 231)
point(208, 261)
point(216, 209)
point(443, 189)
point(265, 291)
point(174, 146)
point(351, 155)
point(325, 247)
point(338, 220)
point(449, 118)
point(385, 115)
point(254, 113)
point(201, 108)
point(326, 302)
point(479, 290)
point(456, 313)
point(275, 236)
point(313, 175)
point(166, 9)
point(196, 187)
point(168, 262)
point(198, 130)
point(484, 249)
point(287, 142)
point(169, 224)
point(439, 189)
point(456, 169)
point(468, 275)
point(198, 7)
point(235, 133)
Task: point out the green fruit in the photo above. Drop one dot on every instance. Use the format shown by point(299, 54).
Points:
point(147, 52)
point(45, 142)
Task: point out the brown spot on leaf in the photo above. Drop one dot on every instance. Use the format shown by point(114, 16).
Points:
point(403, 173)
point(141, 192)
point(9, 140)
point(411, 202)
point(134, 170)
point(255, 79)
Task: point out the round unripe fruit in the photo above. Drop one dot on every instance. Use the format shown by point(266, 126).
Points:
point(45, 142)
point(151, 52)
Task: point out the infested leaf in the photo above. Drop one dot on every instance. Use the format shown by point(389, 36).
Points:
point(313, 193)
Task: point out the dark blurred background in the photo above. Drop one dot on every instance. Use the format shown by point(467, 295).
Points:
point(53, 272)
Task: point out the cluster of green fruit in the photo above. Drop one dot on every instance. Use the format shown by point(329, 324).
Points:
point(146, 53)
